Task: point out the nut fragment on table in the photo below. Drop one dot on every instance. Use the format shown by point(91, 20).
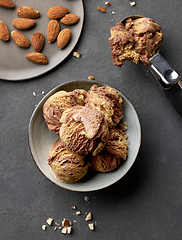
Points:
point(78, 213)
point(107, 3)
point(73, 207)
point(66, 230)
point(91, 77)
point(44, 227)
point(49, 221)
point(102, 9)
point(86, 198)
point(88, 217)
point(91, 226)
point(132, 3)
point(65, 223)
point(77, 54)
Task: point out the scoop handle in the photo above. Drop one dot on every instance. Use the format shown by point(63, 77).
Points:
point(163, 71)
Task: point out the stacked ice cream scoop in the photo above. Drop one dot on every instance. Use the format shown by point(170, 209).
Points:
point(137, 40)
point(89, 129)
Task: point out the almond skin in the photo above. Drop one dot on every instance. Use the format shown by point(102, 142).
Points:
point(70, 19)
point(23, 23)
point(53, 30)
point(37, 41)
point(20, 39)
point(7, 4)
point(57, 12)
point(27, 12)
point(63, 38)
point(4, 32)
point(38, 58)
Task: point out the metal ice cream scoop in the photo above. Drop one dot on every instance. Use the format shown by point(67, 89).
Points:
point(161, 71)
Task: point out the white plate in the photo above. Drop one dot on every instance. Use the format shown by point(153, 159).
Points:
point(40, 140)
point(13, 64)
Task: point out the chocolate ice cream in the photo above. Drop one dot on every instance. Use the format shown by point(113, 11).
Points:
point(108, 101)
point(84, 130)
point(137, 40)
point(68, 167)
point(57, 103)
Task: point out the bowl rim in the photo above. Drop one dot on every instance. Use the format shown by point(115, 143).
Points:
point(56, 89)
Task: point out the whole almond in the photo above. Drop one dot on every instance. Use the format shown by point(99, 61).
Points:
point(4, 32)
point(27, 12)
point(63, 38)
point(7, 4)
point(23, 23)
point(53, 29)
point(37, 41)
point(57, 12)
point(38, 58)
point(70, 19)
point(20, 39)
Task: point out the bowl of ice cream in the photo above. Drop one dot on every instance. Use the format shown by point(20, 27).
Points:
point(74, 136)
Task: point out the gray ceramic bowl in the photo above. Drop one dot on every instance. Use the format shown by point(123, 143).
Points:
point(40, 140)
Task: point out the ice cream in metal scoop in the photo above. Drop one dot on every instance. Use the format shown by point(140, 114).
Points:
point(138, 39)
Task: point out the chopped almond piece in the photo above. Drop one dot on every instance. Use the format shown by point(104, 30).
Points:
point(91, 77)
point(49, 221)
point(86, 198)
point(44, 227)
point(107, 3)
point(64, 230)
point(65, 223)
point(91, 226)
point(88, 217)
point(102, 9)
point(69, 230)
point(77, 54)
point(73, 207)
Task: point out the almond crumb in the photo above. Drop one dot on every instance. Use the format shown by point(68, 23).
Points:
point(73, 207)
point(91, 77)
point(70, 223)
point(34, 93)
point(69, 230)
point(107, 3)
point(77, 54)
point(86, 198)
point(88, 217)
point(49, 221)
point(91, 226)
point(64, 230)
point(78, 213)
point(132, 3)
point(44, 227)
point(102, 9)
point(65, 223)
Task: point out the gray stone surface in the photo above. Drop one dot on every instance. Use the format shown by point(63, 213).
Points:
point(147, 202)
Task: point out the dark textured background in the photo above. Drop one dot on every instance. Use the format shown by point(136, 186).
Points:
point(147, 202)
